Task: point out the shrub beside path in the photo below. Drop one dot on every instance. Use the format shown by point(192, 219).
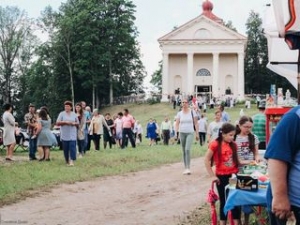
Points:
point(161, 196)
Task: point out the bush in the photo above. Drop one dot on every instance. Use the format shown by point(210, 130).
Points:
point(153, 100)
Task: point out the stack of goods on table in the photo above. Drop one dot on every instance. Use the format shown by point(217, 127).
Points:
point(250, 178)
point(255, 175)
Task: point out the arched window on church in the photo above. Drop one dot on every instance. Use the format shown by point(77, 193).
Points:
point(203, 72)
point(202, 34)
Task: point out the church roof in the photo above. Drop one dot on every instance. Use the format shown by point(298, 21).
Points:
point(209, 18)
point(207, 8)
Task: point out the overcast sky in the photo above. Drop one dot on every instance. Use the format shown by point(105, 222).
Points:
point(155, 18)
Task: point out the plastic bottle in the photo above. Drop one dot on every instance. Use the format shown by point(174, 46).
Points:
point(279, 97)
point(287, 97)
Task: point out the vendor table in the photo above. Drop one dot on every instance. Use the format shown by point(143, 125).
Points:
point(237, 197)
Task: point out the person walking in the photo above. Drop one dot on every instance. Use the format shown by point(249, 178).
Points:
point(151, 132)
point(282, 154)
point(157, 131)
point(9, 139)
point(259, 125)
point(30, 119)
point(119, 128)
point(96, 128)
point(202, 124)
point(68, 122)
point(80, 129)
point(166, 128)
point(88, 116)
point(45, 138)
point(139, 132)
point(186, 124)
point(223, 153)
point(108, 133)
point(224, 115)
point(127, 125)
point(214, 126)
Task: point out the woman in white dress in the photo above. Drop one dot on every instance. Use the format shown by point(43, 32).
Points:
point(9, 139)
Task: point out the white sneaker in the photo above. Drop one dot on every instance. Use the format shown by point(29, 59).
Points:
point(80, 156)
point(71, 163)
point(186, 172)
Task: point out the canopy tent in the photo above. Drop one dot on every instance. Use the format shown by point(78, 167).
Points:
point(281, 27)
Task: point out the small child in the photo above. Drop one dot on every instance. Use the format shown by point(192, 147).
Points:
point(35, 126)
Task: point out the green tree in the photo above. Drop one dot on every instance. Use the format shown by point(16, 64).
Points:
point(258, 78)
point(229, 25)
point(16, 49)
point(156, 77)
point(102, 50)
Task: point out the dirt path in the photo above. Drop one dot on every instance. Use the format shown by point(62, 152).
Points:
point(156, 197)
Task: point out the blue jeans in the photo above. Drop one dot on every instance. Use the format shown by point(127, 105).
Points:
point(32, 147)
point(69, 148)
point(81, 146)
point(86, 132)
point(186, 140)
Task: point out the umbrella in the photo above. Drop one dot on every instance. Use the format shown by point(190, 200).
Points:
point(212, 197)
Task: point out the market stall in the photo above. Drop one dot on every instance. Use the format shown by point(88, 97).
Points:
point(273, 116)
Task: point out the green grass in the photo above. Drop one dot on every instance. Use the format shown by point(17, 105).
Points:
point(22, 178)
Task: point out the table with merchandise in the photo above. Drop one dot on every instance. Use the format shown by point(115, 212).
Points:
point(249, 189)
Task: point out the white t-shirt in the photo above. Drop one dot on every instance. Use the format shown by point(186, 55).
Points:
point(118, 123)
point(213, 129)
point(186, 124)
point(202, 123)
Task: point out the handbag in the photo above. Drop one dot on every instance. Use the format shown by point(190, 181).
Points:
point(193, 120)
point(113, 140)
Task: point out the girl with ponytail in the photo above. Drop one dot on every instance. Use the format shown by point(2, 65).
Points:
point(223, 152)
point(246, 141)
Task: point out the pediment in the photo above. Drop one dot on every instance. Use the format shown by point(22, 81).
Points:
point(202, 28)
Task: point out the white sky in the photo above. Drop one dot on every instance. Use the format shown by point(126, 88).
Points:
point(155, 18)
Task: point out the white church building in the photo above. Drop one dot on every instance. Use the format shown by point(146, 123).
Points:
point(203, 57)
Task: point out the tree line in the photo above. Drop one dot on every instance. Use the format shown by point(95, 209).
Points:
point(90, 53)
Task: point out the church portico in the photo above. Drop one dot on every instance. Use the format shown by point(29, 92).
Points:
point(196, 64)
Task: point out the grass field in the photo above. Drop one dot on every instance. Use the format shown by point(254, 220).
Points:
point(22, 178)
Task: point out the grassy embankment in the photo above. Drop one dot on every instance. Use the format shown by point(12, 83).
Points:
point(22, 178)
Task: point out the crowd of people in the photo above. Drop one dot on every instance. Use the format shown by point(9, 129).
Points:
point(231, 145)
point(79, 127)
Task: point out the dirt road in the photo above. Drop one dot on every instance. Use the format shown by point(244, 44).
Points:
point(160, 196)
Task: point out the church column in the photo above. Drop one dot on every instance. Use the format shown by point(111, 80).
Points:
point(215, 78)
point(165, 75)
point(190, 78)
point(241, 76)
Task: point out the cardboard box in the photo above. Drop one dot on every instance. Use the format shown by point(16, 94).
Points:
point(247, 183)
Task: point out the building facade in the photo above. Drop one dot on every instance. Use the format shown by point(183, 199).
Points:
point(203, 57)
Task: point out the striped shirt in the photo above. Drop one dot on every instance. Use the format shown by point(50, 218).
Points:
point(243, 150)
